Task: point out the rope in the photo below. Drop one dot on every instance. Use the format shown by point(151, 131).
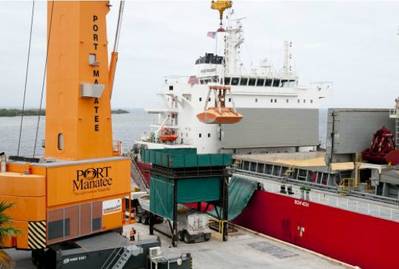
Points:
point(43, 80)
point(26, 76)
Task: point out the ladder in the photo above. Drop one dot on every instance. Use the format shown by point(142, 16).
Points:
point(119, 258)
point(123, 258)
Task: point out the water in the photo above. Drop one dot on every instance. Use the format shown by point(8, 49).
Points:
point(126, 128)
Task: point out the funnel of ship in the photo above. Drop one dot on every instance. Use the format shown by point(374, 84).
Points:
point(219, 113)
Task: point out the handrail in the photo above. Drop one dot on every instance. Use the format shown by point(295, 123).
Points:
point(371, 209)
point(110, 259)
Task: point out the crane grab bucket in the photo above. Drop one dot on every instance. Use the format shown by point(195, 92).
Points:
point(219, 113)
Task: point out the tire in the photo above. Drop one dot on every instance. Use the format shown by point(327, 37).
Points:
point(37, 257)
point(180, 235)
point(207, 236)
point(186, 237)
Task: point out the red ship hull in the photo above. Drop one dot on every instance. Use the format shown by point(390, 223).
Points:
point(356, 239)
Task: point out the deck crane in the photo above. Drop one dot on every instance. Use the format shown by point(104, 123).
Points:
point(77, 188)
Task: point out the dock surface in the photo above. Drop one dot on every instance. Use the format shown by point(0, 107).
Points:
point(246, 250)
point(243, 250)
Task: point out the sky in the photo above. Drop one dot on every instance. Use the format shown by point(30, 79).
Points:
point(354, 45)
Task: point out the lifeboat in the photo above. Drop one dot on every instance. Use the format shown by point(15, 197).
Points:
point(219, 113)
point(167, 135)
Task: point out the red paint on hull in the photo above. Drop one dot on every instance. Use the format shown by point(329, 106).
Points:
point(361, 240)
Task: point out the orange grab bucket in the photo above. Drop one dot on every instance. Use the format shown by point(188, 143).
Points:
point(223, 115)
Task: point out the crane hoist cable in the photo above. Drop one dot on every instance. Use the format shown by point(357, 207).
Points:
point(43, 80)
point(119, 25)
point(26, 77)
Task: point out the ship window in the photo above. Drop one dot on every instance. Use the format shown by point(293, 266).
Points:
point(60, 141)
point(209, 99)
point(268, 82)
point(209, 134)
point(200, 135)
point(299, 100)
point(244, 81)
point(284, 83)
point(229, 99)
point(271, 100)
point(276, 83)
point(234, 81)
point(252, 82)
point(200, 99)
point(275, 100)
point(304, 100)
point(256, 100)
point(287, 100)
point(260, 82)
point(227, 81)
point(170, 87)
point(311, 101)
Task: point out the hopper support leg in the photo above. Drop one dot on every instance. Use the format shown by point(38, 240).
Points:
point(225, 206)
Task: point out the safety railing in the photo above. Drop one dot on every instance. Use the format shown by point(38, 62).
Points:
point(330, 197)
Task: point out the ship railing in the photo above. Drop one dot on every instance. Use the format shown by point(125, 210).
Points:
point(333, 199)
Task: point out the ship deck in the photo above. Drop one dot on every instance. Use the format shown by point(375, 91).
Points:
point(313, 160)
point(309, 169)
point(244, 249)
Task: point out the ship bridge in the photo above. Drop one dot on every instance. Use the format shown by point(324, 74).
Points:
point(210, 58)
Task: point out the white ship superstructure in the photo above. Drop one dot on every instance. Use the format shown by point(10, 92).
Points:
point(258, 94)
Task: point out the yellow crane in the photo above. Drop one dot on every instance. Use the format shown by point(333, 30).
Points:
point(77, 188)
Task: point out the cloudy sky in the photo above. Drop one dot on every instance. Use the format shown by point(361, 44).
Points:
point(355, 45)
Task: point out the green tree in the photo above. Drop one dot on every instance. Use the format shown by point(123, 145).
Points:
point(5, 230)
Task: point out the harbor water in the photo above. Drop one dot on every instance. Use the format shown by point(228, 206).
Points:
point(126, 128)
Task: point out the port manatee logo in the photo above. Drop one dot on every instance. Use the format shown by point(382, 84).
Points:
point(92, 180)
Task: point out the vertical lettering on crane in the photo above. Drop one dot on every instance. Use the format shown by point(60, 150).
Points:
point(96, 72)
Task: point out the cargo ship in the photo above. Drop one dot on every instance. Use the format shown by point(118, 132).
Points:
point(331, 201)
point(258, 93)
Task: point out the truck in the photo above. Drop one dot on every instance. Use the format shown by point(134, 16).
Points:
point(192, 226)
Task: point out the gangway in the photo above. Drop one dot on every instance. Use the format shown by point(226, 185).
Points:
point(137, 176)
